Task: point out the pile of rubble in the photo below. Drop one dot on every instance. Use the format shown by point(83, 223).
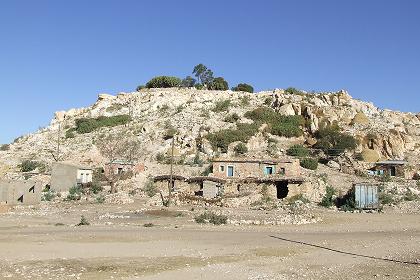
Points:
point(119, 198)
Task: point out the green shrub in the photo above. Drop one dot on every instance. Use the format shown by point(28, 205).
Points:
point(114, 107)
point(222, 106)
point(179, 109)
point(4, 147)
point(30, 165)
point(268, 101)
point(160, 157)
point(286, 130)
point(347, 202)
point(222, 138)
point(244, 100)
point(243, 87)
point(333, 142)
point(87, 125)
point(163, 82)
point(150, 188)
point(232, 118)
point(140, 87)
point(386, 198)
point(298, 151)
point(18, 139)
point(292, 90)
point(199, 86)
point(327, 200)
point(309, 163)
point(83, 222)
point(48, 195)
point(70, 133)
point(75, 193)
point(240, 149)
point(218, 83)
point(170, 133)
point(100, 199)
point(287, 126)
point(95, 188)
point(188, 82)
point(197, 160)
point(410, 196)
point(212, 218)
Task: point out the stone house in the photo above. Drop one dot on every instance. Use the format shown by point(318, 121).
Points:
point(237, 177)
point(20, 192)
point(121, 167)
point(389, 168)
point(67, 175)
point(257, 168)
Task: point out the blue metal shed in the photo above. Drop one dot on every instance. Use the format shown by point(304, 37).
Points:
point(366, 196)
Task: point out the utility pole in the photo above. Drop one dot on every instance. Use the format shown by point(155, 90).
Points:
point(58, 142)
point(171, 173)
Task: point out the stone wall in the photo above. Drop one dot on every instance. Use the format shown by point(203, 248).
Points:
point(244, 169)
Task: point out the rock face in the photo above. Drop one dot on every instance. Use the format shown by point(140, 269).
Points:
point(360, 118)
point(192, 114)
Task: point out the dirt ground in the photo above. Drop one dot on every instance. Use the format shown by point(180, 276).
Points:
point(44, 243)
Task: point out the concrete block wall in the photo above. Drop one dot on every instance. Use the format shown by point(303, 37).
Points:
point(20, 192)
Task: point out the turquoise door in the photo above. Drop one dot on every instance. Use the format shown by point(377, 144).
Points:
point(268, 170)
point(230, 171)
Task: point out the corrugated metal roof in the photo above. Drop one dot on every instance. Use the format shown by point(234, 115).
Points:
point(391, 162)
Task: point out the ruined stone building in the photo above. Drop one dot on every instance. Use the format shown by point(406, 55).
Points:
point(390, 168)
point(121, 167)
point(20, 192)
point(256, 168)
point(241, 176)
point(67, 175)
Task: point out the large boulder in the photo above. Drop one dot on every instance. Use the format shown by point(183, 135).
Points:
point(360, 118)
point(287, 110)
point(60, 115)
point(370, 155)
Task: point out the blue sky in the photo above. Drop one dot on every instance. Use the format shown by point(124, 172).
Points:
point(55, 55)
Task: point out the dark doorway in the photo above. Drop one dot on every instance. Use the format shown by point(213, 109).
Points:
point(282, 189)
point(393, 171)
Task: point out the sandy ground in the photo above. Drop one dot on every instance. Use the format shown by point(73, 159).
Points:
point(44, 243)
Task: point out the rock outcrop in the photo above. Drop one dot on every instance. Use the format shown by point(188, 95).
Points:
point(382, 134)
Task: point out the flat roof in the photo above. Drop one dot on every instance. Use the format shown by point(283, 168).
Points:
point(255, 160)
point(122, 162)
point(391, 162)
point(73, 165)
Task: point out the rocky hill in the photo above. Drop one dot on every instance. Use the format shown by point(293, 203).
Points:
point(193, 114)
